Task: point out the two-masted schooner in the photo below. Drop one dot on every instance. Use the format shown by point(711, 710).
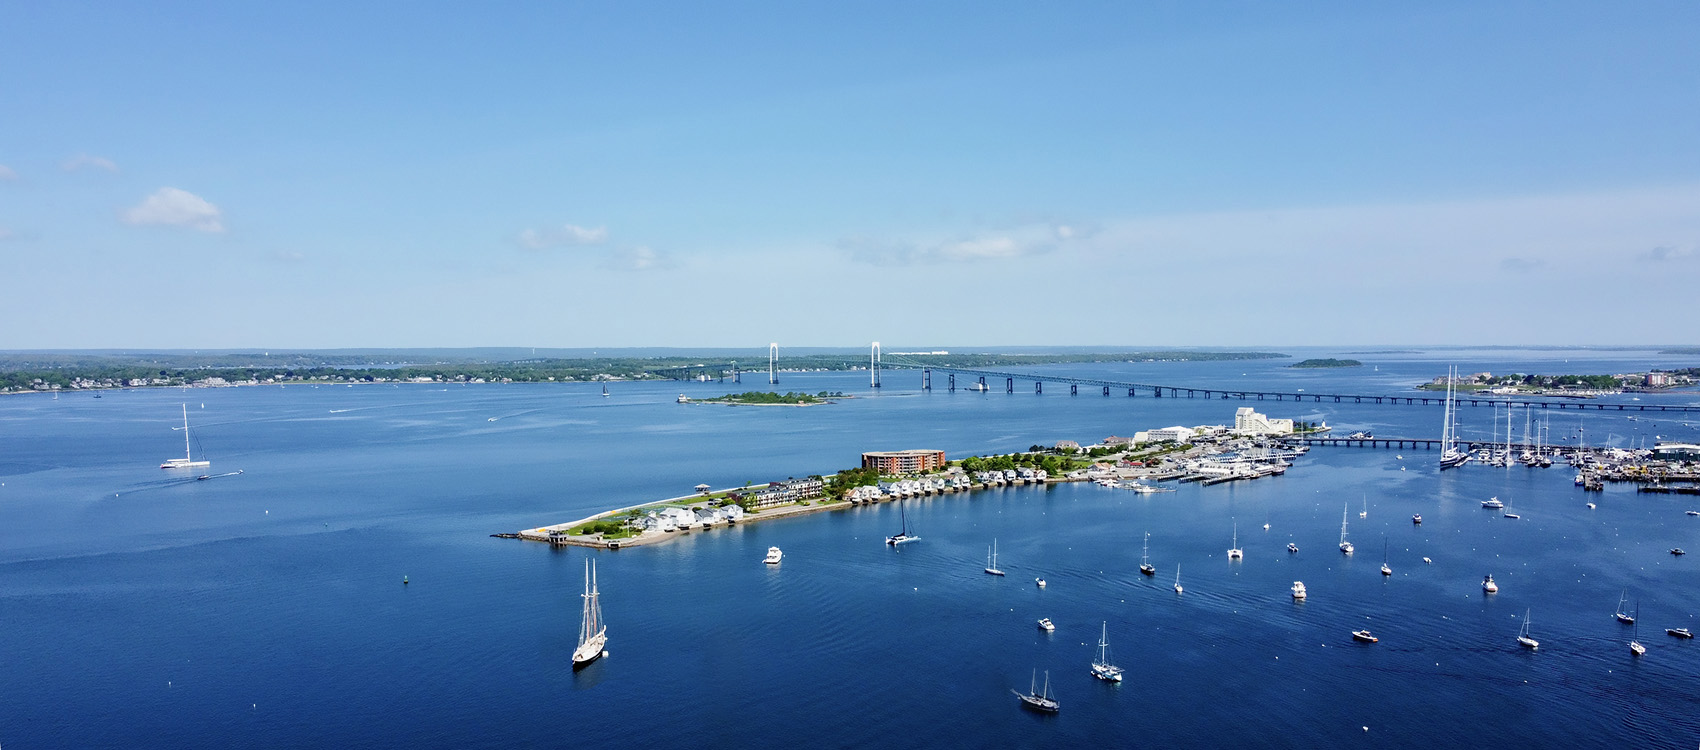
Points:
point(592, 635)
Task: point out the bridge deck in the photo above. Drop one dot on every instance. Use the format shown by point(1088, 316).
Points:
point(1170, 391)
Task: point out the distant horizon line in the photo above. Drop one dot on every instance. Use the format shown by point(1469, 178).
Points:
point(906, 349)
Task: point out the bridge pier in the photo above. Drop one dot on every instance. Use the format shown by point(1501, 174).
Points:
point(1107, 391)
point(1073, 389)
point(1009, 385)
point(1038, 387)
point(953, 382)
point(983, 387)
point(1129, 392)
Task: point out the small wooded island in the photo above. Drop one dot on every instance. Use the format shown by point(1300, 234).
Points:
point(767, 398)
point(1312, 363)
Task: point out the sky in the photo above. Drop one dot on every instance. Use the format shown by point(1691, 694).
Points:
point(317, 175)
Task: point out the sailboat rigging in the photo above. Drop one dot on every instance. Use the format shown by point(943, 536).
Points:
point(1145, 565)
point(1450, 455)
point(1101, 667)
point(1039, 701)
point(1345, 546)
point(992, 559)
point(902, 537)
point(592, 634)
point(188, 460)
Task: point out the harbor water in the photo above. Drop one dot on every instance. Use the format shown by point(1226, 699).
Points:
point(267, 609)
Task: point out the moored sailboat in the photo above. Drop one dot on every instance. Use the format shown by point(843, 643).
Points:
point(992, 559)
point(1345, 546)
point(1523, 638)
point(1039, 701)
point(1101, 667)
point(1145, 565)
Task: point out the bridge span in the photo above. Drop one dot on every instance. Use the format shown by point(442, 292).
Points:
point(1170, 391)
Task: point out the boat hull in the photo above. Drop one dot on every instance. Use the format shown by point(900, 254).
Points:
point(590, 650)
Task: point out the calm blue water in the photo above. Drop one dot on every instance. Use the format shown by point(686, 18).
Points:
point(266, 610)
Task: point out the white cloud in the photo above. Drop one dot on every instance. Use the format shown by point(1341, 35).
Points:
point(84, 160)
point(639, 258)
point(7, 174)
point(1030, 239)
point(169, 206)
point(566, 235)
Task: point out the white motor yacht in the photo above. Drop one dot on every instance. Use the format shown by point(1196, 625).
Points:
point(773, 556)
point(1298, 589)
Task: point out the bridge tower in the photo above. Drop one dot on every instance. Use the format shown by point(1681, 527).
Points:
point(874, 366)
point(773, 364)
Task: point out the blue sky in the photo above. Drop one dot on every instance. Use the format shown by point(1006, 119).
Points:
point(302, 175)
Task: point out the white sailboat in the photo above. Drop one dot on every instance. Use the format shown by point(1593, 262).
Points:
point(1101, 666)
point(1450, 455)
point(992, 559)
point(592, 634)
point(1365, 512)
point(1622, 616)
point(1345, 546)
point(1234, 552)
point(1177, 579)
point(1523, 638)
point(1386, 571)
point(188, 460)
point(1145, 565)
point(902, 537)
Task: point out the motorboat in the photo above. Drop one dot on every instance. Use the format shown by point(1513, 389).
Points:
point(1417, 519)
point(1365, 636)
point(1046, 625)
point(1493, 502)
point(1691, 512)
point(1298, 590)
point(1489, 586)
point(1427, 561)
point(1591, 506)
point(773, 556)
point(1679, 632)
point(1677, 551)
point(1292, 547)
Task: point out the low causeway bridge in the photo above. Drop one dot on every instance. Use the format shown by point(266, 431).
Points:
point(1170, 391)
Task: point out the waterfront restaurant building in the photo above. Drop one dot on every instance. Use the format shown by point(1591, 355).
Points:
point(903, 462)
